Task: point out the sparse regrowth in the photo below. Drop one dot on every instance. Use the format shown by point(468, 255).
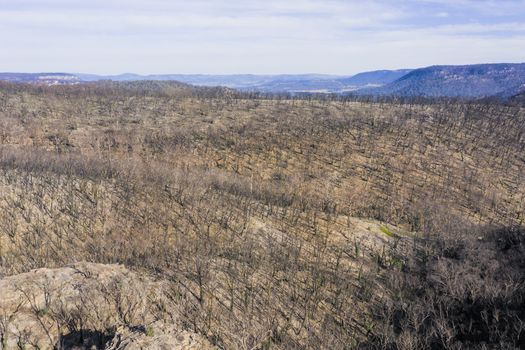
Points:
point(386, 231)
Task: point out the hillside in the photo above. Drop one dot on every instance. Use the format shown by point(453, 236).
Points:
point(268, 83)
point(471, 81)
point(251, 223)
point(518, 95)
point(375, 78)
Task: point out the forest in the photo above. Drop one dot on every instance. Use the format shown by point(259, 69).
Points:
point(257, 221)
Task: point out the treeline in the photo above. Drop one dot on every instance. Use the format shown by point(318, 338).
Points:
point(155, 88)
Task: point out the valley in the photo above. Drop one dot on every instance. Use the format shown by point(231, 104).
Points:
point(263, 222)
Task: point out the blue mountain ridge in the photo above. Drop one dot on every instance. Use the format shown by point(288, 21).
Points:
point(474, 81)
point(502, 80)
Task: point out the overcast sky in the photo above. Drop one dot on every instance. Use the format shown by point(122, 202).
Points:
point(256, 36)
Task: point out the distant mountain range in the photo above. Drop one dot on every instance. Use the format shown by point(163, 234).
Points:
point(470, 81)
point(480, 80)
point(246, 82)
point(375, 78)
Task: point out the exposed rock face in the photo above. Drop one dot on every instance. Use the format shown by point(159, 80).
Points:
point(89, 306)
point(157, 336)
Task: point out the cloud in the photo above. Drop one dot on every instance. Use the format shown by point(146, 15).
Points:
point(205, 36)
point(442, 14)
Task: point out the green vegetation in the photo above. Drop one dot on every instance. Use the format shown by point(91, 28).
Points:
point(386, 231)
point(149, 331)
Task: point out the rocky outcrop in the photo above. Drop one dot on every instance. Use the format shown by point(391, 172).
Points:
point(89, 306)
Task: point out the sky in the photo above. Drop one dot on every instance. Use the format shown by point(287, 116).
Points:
point(341, 37)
